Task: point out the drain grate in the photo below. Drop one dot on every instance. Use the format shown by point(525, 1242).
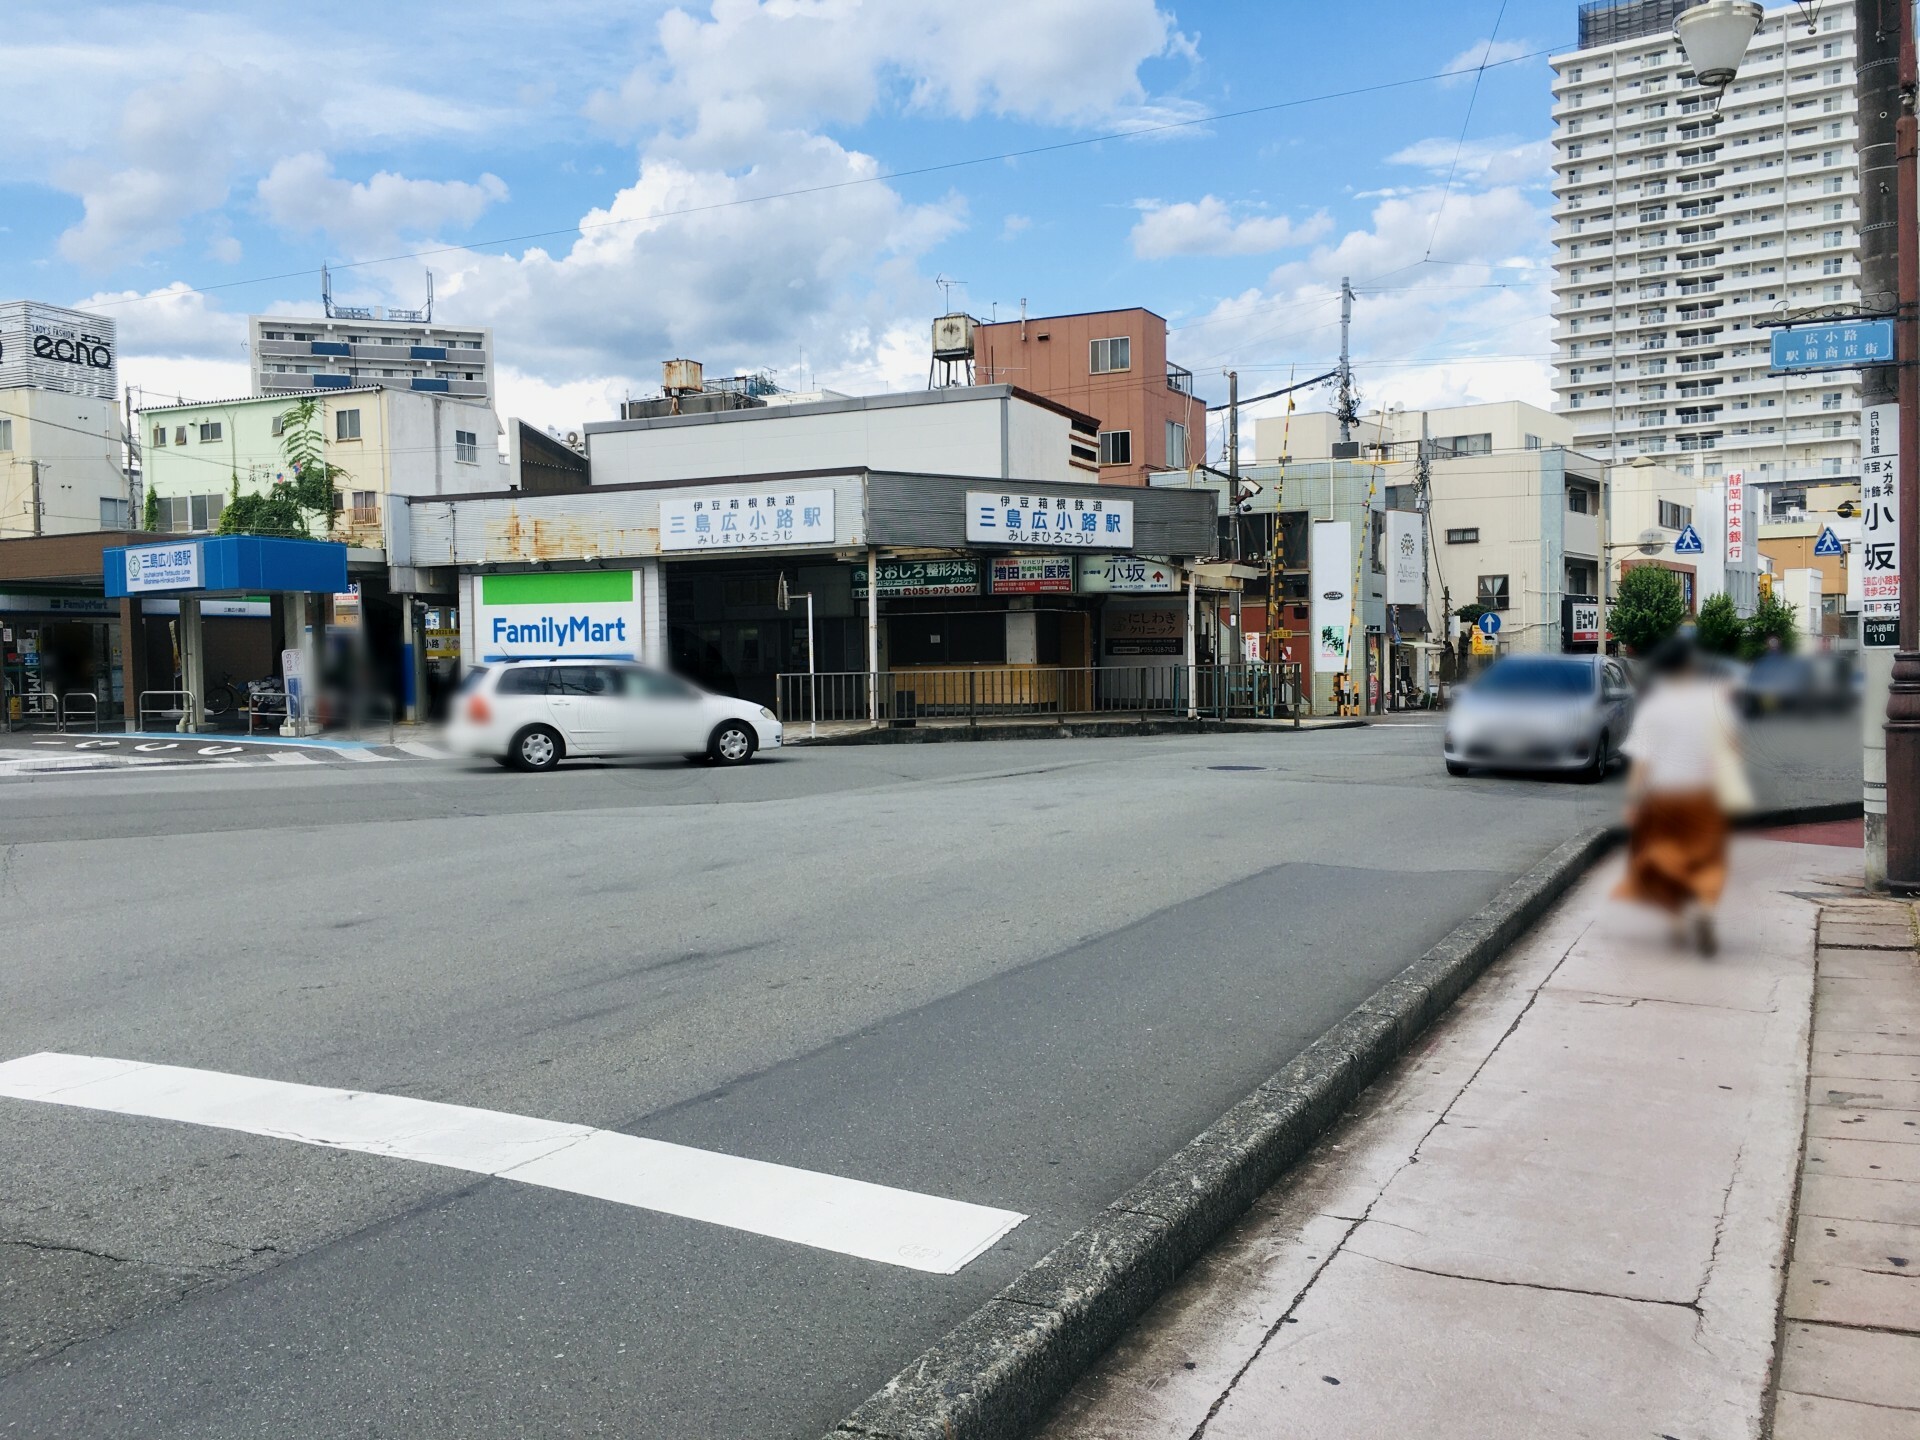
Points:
point(1236, 767)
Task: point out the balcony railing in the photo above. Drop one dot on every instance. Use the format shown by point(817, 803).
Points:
point(1179, 379)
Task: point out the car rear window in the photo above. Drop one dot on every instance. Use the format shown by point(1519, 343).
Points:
point(1527, 676)
point(473, 679)
point(524, 680)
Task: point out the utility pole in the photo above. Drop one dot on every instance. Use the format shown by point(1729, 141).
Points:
point(1233, 456)
point(133, 457)
point(1345, 403)
point(1883, 37)
point(33, 468)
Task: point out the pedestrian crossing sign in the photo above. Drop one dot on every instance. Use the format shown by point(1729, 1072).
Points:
point(1688, 542)
point(1828, 543)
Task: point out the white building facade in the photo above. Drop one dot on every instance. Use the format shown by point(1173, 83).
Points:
point(62, 450)
point(1682, 233)
point(292, 354)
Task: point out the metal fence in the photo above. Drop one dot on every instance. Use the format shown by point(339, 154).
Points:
point(1220, 692)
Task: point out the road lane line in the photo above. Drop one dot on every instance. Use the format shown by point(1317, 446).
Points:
point(826, 1212)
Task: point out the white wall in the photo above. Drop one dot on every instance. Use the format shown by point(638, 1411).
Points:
point(421, 452)
point(77, 440)
point(963, 437)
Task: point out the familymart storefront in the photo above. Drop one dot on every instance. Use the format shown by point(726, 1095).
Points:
point(909, 573)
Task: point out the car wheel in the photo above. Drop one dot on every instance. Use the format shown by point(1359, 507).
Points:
point(536, 748)
point(1454, 767)
point(1602, 761)
point(733, 743)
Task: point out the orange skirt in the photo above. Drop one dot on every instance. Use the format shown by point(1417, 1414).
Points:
point(1677, 852)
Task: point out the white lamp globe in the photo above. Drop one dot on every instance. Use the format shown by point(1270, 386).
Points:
point(1715, 37)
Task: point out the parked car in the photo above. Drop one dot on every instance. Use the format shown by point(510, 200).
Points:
point(532, 714)
point(1565, 713)
point(1807, 684)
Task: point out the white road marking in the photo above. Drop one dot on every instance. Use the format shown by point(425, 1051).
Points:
point(360, 755)
point(827, 1212)
point(423, 750)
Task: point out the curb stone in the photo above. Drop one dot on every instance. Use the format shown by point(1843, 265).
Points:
point(1000, 1370)
point(1057, 730)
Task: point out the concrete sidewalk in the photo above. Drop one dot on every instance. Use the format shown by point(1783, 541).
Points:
point(1567, 1211)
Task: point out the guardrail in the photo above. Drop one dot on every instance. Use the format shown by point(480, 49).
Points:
point(274, 712)
point(185, 710)
point(80, 705)
point(40, 709)
point(1220, 692)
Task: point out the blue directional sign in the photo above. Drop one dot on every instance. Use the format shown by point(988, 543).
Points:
point(1490, 624)
point(1828, 543)
point(1833, 346)
point(1688, 542)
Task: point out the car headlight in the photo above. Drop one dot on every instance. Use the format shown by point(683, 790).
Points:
point(766, 714)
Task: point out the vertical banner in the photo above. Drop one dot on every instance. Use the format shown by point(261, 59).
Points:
point(1330, 574)
point(1736, 517)
point(1406, 567)
point(1878, 555)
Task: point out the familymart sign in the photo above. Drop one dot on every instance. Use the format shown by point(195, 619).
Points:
point(583, 615)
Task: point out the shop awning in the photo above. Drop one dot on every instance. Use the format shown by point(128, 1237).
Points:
point(219, 564)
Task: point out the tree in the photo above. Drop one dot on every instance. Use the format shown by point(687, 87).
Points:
point(1647, 608)
point(285, 508)
point(150, 511)
point(1720, 628)
point(1773, 625)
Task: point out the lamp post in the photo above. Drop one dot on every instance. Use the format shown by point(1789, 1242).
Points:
point(1714, 36)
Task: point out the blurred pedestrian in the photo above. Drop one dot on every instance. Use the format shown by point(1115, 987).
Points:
point(1686, 780)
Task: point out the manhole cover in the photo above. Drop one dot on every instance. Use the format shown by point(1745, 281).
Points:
point(1236, 767)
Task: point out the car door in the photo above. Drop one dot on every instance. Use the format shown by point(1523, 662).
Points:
point(1616, 699)
point(665, 714)
point(586, 704)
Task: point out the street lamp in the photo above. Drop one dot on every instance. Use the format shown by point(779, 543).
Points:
point(1889, 149)
point(1714, 36)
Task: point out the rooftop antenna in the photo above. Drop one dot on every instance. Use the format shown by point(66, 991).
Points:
point(946, 283)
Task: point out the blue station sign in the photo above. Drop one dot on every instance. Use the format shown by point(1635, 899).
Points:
point(1845, 346)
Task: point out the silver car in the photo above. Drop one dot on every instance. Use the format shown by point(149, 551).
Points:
point(1564, 713)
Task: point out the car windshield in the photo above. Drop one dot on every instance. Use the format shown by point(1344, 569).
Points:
point(1536, 679)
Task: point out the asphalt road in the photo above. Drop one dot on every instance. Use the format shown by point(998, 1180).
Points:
point(1016, 974)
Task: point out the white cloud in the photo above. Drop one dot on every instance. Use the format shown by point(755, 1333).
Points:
point(302, 194)
point(1500, 161)
point(1459, 70)
point(1014, 226)
point(172, 321)
point(1207, 227)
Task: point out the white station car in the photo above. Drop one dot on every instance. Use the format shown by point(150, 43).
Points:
point(532, 714)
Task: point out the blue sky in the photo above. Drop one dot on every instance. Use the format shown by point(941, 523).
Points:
point(184, 166)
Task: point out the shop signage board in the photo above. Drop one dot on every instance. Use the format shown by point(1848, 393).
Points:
point(1032, 575)
point(1833, 347)
point(1330, 574)
point(746, 519)
point(60, 604)
point(163, 567)
point(1583, 620)
point(1007, 517)
point(1736, 517)
point(1144, 632)
point(1406, 563)
point(1878, 554)
point(909, 578)
point(51, 348)
point(581, 614)
point(1126, 575)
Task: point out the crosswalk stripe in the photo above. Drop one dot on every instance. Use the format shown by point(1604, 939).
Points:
point(422, 750)
point(358, 755)
point(827, 1212)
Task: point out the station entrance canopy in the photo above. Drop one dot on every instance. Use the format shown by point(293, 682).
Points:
point(222, 564)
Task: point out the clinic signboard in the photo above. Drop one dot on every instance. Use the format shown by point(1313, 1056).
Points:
point(577, 615)
point(163, 567)
point(1033, 575)
point(48, 347)
point(1130, 634)
point(1877, 557)
point(746, 519)
point(1008, 517)
point(1126, 575)
point(908, 579)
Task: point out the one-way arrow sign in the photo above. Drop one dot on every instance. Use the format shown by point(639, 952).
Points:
point(1828, 543)
point(1688, 542)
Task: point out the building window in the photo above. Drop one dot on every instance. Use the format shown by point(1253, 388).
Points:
point(1111, 355)
point(113, 513)
point(1493, 592)
point(1468, 536)
point(346, 424)
point(1466, 444)
point(1830, 400)
point(6, 434)
point(466, 446)
point(1116, 447)
point(160, 437)
point(1579, 502)
point(365, 507)
point(191, 514)
point(209, 431)
point(279, 425)
point(1830, 265)
point(179, 434)
point(1532, 442)
point(1675, 517)
point(1176, 444)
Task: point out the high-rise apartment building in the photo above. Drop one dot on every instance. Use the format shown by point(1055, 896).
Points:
point(1683, 232)
point(292, 354)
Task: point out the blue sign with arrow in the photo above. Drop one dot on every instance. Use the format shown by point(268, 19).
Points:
point(1688, 542)
point(1490, 624)
point(1828, 543)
